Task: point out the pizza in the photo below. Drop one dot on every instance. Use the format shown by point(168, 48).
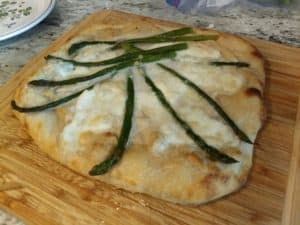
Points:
point(149, 106)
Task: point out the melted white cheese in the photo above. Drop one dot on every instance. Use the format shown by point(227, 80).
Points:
point(151, 115)
point(98, 111)
point(101, 109)
point(214, 80)
point(189, 105)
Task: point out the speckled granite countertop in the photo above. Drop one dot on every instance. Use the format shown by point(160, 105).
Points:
point(278, 25)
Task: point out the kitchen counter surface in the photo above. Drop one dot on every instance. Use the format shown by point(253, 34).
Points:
point(277, 25)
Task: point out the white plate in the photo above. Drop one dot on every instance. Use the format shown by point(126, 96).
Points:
point(18, 16)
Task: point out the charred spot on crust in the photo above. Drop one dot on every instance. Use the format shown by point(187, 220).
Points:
point(257, 54)
point(253, 92)
point(111, 134)
point(207, 182)
point(195, 158)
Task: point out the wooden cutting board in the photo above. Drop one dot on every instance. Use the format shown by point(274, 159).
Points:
point(41, 191)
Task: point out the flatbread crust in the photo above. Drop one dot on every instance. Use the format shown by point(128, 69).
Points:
point(182, 174)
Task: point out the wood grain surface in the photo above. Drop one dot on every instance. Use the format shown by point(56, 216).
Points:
point(41, 191)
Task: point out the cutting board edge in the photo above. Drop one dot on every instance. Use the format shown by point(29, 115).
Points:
point(11, 203)
point(292, 199)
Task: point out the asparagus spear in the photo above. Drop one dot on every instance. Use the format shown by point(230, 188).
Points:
point(212, 152)
point(132, 55)
point(75, 47)
point(211, 101)
point(116, 156)
point(128, 47)
point(163, 39)
point(178, 32)
point(103, 72)
point(48, 105)
point(52, 104)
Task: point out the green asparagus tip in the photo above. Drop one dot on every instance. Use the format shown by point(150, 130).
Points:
point(103, 167)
